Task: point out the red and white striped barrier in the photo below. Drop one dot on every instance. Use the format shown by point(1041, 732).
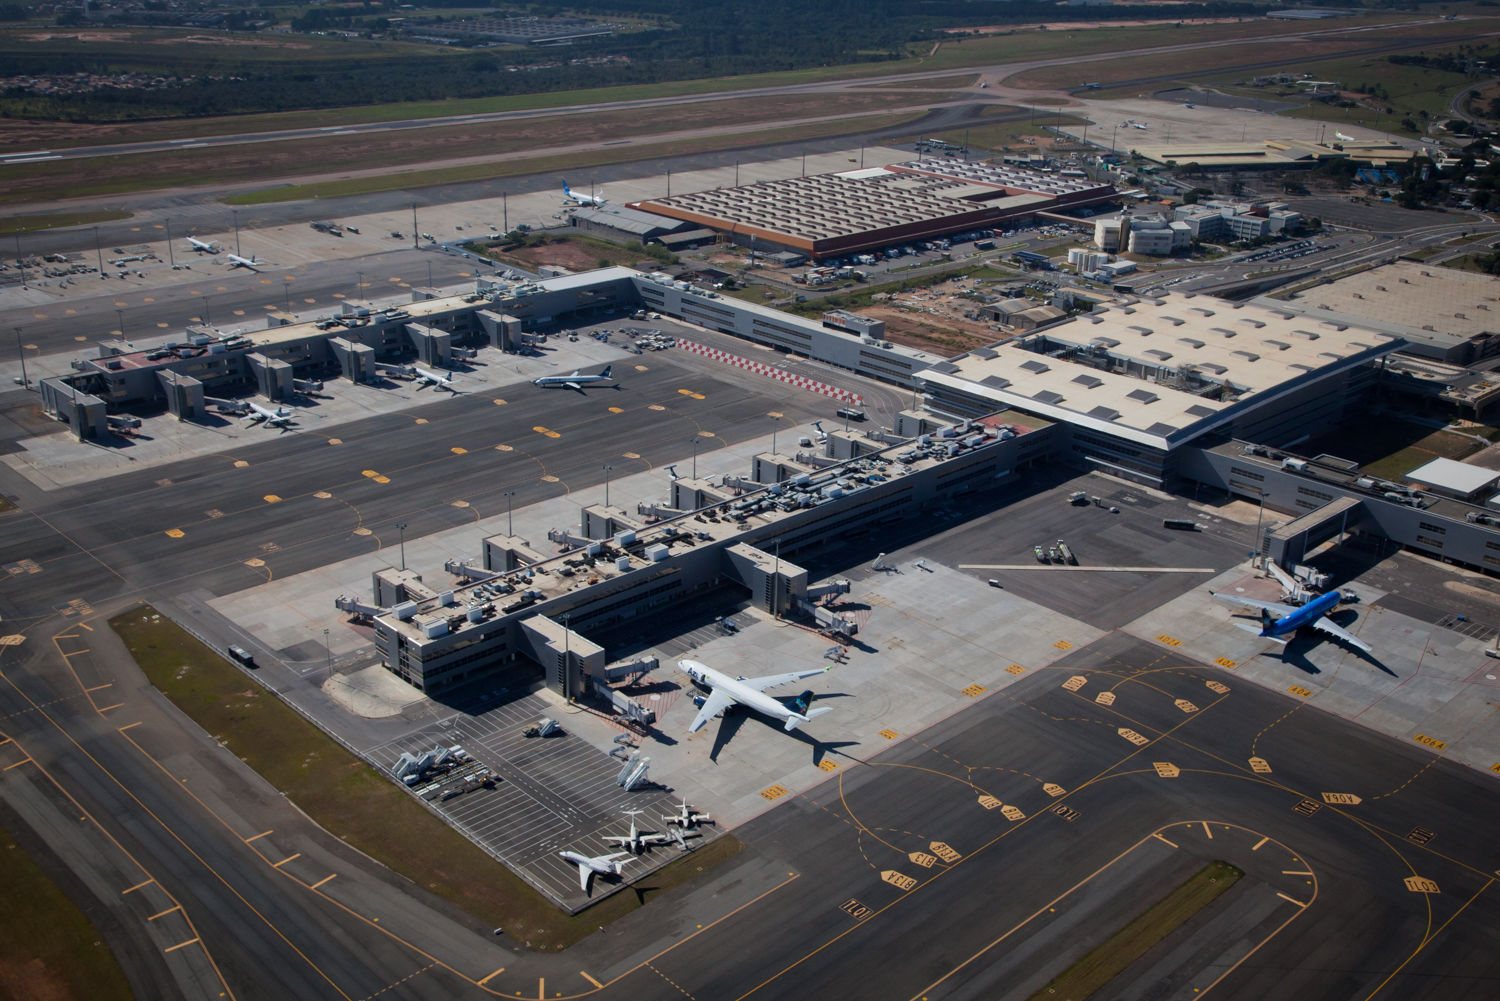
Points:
point(770, 371)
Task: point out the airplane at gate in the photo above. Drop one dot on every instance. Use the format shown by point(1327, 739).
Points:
point(1279, 623)
point(588, 201)
point(438, 380)
point(202, 246)
point(236, 261)
point(280, 417)
point(725, 691)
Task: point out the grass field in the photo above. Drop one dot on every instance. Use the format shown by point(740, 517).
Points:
point(32, 223)
point(1024, 44)
point(1388, 447)
point(1130, 943)
point(1010, 135)
point(513, 168)
point(353, 802)
point(49, 949)
point(1468, 262)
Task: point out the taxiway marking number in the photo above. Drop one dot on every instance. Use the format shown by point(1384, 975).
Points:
point(922, 859)
point(1168, 640)
point(775, 792)
point(944, 852)
point(1215, 687)
point(1105, 698)
point(828, 766)
point(1342, 798)
point(1420, 835)
point(1063, 645)
point(1014, 669)
point(889, 734)
point(1300, 692)
point(1012, 813)
point(1225, 663)
point(989, 802)
point(1432, 742)
point(1166, 769)
point(855, 909)
point(1421, 884)
point(1307, 807)
point(1260, 766)
point(1132, 736)
point(899, 880)
point(1065, 812)
point(1185, 706)
point(974, 690)
point(1053, 789)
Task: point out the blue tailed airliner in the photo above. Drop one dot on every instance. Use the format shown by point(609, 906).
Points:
point(1279, 623)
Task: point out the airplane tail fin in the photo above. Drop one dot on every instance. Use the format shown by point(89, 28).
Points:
point(792, 722)
point(1251, 629)
point(605, 373)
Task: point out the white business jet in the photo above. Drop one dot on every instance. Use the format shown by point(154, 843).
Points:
point(725, 691)
point(605, 865)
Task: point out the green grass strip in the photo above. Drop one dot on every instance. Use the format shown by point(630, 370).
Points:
point(30, 223)
point(1130, 943)
point(48, 947)
point(350, 800)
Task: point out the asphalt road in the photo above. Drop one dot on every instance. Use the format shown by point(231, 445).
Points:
point(109, 539)
point(226, 297)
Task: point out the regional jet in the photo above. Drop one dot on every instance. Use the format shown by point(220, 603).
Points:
point(202, 247)
point(725, 691)
point(427, 377)
point(279, 418)
point(574, 381)
point(607, 865)
point(1279, 623)
point(236, 261)
point(586, 201)
point(1339, 135)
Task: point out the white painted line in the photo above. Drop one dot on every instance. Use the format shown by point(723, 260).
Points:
point(36, 159)
point(1042, 566)
point(176, 141)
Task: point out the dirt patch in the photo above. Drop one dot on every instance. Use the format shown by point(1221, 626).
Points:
point(947, 338)
point(1471, 591)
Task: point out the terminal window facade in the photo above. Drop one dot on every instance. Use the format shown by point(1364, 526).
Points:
point(885, 359)
point(1430, 527)
point(1492, 545)
point(791, 331)
point(1434, 543)
point(1320, 495)
point(1142, 460)
point(1247, 474)
point(1308, 504)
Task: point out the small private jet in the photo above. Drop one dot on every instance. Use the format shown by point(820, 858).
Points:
point(605, 865)
point(574, 381)
point(687, 817)
point(725, 691)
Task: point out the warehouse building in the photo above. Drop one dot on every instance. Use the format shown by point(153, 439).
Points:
point(622, 223)
point(830, 215)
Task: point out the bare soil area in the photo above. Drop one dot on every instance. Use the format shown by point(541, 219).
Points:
point(942, 336)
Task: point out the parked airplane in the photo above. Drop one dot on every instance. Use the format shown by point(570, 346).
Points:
point(1139, 125)
point(589, 201)
point(1339, 135)
point(427, 377)
point(236, 261)
point(279, 418)
point(202, 247)
point(607, 865)
point(687, 817)
point(637, 840)
point(1288, 619)
point(725, 691)
point(574, 381)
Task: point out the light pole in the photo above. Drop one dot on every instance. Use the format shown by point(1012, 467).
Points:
point(401, 527)
point(329, 648)
point(236, 214)
point(120, 313)
point(416, 238)
point(695, 458)
point(429, 274)
point(357, 285)
point(22, 264)
point(286, 287)
point(25, 383)
point(510, 528)
point(606, 484)
point(97, 250)
point(1258, 517)
point(171, 258)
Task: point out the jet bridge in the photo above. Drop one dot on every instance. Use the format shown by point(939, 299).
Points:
point(1289, 544)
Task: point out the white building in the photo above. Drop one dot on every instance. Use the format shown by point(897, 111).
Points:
point(1110, 235)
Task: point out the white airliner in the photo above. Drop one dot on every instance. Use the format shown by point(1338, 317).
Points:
point(606, 865)
point(725, 691)
point(1339, 135)
point(427, 377)
point(574, 381)
point(279, 418)
point(202, 247)
point(592, 201)
point(236, 261)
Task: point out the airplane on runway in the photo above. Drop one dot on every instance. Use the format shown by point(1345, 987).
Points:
point(574, 381)
point(279, 418)
point(1288, 619)
point(236, 261)
point(427, 377)
point(606, 865)
point(586, 201)
point(687, 818)
point(725, 691)
point(202, 247)
point(1339, 135)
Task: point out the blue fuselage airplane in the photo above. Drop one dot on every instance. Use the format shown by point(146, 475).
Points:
point(1280, 623)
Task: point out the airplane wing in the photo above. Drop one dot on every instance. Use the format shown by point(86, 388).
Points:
point(584, 874)
point(1270, 606)
point(716, 703)
point(772, 680)
point(573, 385)
point(1323, 625)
